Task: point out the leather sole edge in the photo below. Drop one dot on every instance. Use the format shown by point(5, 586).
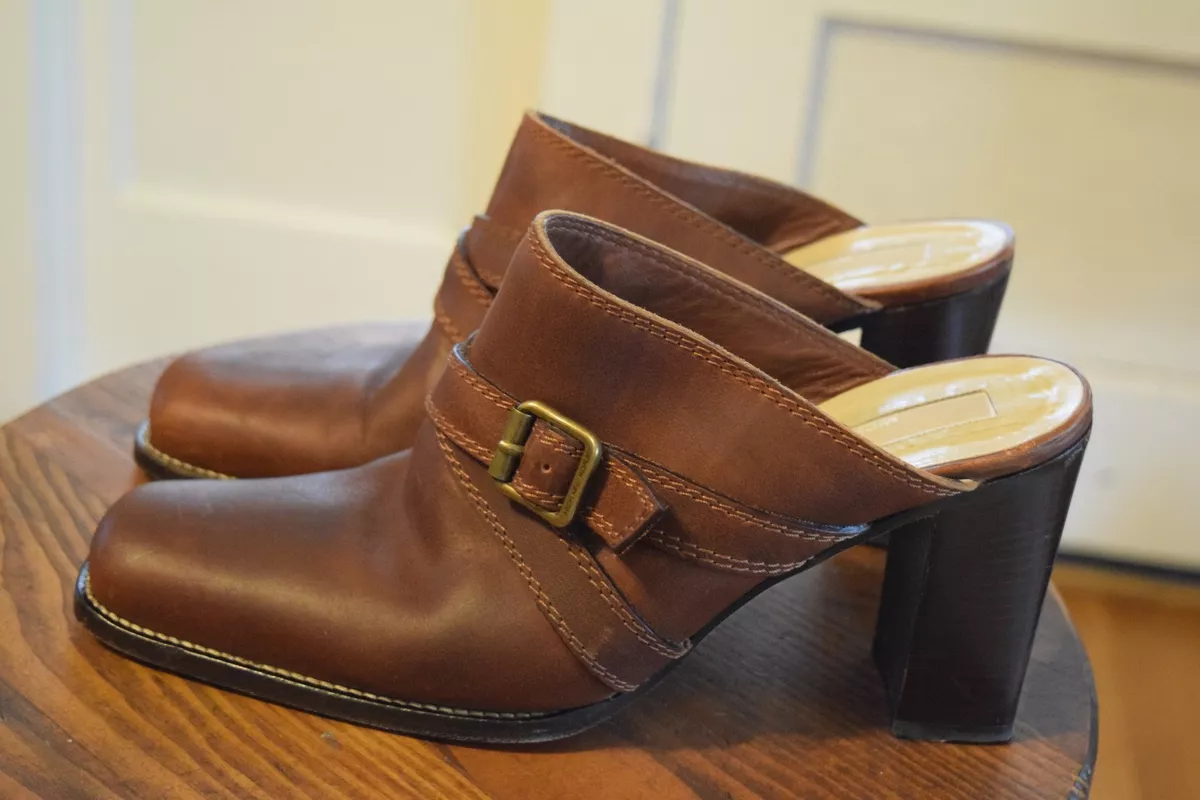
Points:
point(327, 700)
point(162, 466)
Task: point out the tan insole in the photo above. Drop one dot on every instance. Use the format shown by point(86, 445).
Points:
point(957, 410)
point(888, 256)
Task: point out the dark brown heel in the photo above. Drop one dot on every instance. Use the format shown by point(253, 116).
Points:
point(961, 599)
point(953, 327)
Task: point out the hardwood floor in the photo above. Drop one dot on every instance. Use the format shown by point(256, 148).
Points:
point(1143, 636)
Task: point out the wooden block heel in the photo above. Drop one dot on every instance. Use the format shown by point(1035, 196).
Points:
point(961, 599)
point(951, 327)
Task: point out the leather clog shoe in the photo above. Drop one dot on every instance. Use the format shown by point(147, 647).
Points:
point(631, 447)
point(308, 402)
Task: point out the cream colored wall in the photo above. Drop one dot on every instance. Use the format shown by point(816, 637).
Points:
point(222, 169)
point(507, 52)
point(323, 182)
point(18, 373)
point(601, 64)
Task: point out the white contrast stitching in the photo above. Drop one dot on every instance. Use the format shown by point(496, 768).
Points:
point(178, 464)
point(295, 676)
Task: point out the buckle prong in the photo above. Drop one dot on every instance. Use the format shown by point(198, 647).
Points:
point(507, 458)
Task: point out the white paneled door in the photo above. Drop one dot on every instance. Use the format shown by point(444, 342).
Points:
point(203, 170)
point(1076, 121)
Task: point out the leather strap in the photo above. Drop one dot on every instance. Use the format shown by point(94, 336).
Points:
point(577, 595)
point(579, 589)
point(628, 497)
point(463, 298)
point(489, 245)
point(619, 506)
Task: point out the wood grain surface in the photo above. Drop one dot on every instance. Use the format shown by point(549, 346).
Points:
point(781, 701)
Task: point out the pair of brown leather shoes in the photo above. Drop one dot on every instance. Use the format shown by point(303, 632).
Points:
point(508, 535)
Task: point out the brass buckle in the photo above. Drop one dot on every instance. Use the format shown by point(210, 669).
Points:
point(507, 458)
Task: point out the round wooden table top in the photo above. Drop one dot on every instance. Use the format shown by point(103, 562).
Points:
point(781, 701)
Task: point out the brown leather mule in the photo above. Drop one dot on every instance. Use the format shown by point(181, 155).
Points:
point(630, 448)
point(313, 401)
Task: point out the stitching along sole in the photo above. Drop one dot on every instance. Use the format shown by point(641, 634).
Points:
point(297, 691)
point(161, 466)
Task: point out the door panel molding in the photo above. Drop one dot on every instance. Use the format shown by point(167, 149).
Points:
point(749, 64)
point(831, 27)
